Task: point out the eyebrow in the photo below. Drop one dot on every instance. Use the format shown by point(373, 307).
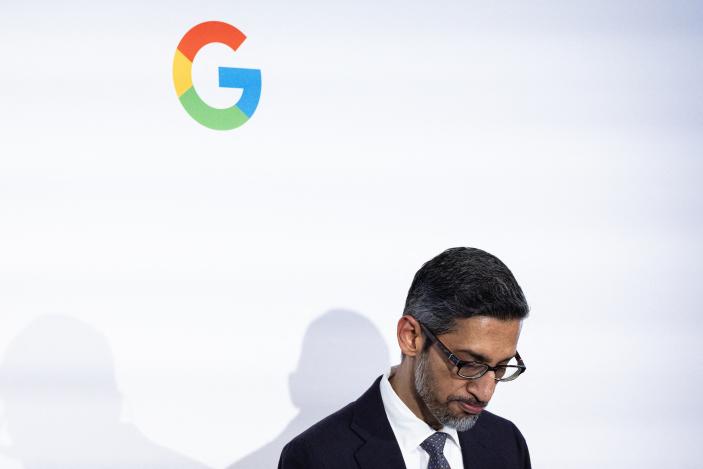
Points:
point(481, 358)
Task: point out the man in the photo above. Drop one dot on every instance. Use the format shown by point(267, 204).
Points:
point(458, 337)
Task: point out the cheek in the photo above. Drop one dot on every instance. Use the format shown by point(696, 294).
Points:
point(447, 386)
point(445, 382)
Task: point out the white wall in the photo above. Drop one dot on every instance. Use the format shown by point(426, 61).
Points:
point(563, 137)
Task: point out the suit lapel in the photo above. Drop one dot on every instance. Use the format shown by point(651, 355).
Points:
point(380, 449)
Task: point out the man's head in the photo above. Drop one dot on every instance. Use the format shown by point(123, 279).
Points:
point(473, 305)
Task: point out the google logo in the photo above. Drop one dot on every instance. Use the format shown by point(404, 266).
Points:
point(249, 80)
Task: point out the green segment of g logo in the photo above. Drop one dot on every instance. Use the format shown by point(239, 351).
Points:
point(249, 80)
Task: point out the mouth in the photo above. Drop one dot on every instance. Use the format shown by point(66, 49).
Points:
point(469, 408)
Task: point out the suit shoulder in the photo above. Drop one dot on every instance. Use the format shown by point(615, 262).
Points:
point(503, 436)
point(495, 421)
point(323, 445)
point(500, 429)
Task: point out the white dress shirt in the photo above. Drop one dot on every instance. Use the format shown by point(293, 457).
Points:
point(411, 431)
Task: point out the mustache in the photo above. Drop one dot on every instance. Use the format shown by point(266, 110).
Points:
point(467, 400)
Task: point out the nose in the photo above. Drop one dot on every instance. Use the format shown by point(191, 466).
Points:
point(483, 387)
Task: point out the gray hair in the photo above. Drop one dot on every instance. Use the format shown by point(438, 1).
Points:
point(461, 283)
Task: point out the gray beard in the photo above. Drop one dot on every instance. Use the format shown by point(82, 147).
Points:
point(424, 385)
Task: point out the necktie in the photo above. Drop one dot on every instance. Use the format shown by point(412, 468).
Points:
point(434, 445)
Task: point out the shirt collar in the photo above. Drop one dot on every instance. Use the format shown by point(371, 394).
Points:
point(409, 430)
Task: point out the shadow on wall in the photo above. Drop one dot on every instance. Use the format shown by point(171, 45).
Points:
point(342, 354)
point(62, 407)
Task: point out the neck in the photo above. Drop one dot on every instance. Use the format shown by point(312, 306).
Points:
point(402, 381)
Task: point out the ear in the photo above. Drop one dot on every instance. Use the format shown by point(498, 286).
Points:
point(410, 338)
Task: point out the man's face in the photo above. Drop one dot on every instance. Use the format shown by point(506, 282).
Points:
point(453, 401)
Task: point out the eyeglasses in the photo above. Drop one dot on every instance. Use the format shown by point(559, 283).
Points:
point(474, 370)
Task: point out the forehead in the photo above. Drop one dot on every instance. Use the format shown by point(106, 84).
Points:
point(490, 337)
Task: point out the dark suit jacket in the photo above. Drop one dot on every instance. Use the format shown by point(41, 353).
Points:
point(359, 436)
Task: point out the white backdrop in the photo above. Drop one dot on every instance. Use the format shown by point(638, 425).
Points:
point(564, 137)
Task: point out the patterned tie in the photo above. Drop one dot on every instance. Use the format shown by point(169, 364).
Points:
point(434, 445)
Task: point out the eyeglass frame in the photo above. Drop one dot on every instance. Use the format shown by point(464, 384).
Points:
point(459, 363)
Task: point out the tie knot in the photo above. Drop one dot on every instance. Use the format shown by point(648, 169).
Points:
point(434, 444)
